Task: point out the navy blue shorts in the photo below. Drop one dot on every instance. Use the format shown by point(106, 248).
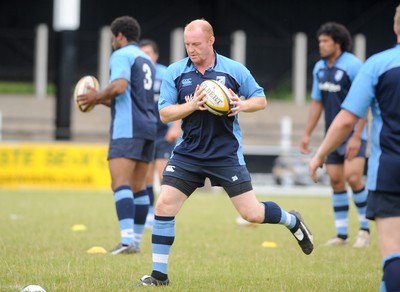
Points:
point(338, 155)
point(163, 149)
point(383, 204)
point(136, 149)
point(187, 178)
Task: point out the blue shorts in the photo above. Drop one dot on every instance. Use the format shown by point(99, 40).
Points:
point(163, 149)
point(383, 204)
point(338, 155)
point(186, 177)
point(132, 148)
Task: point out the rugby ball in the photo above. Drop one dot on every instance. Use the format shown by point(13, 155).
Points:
point(217, 97)
point(81, 88)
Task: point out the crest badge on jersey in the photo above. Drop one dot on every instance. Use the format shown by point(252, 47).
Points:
point(338, 75)
point(221, 79)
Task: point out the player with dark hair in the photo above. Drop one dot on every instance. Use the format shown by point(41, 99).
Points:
point(332, 77)
point(167, 134)
point(132, 131)
point(377, 86)
point(210, 146)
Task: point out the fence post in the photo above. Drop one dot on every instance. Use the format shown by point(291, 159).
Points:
point(105, 49)
point(177, 45)
point(300, 68)
point(238, 46)
point(360, 44)
point(40, 67)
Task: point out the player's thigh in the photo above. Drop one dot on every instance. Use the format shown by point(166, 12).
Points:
point(138, 179)
point(336, 175)
point(150, 173)
point(170, 201)
point(160, 166)
point(121, 170)
point(388, 235)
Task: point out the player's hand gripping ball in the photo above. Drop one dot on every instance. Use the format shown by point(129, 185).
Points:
point(217, 97)
point(81, 88)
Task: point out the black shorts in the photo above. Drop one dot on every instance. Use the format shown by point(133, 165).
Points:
point(383, 204)
point(187, 178)
point(338, 155)
point(136, 149)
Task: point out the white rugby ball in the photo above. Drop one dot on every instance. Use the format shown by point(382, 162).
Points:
point(81, 88)
point(33, 288)
point(218, 97)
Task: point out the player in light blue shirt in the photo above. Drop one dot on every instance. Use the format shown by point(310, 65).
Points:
point(377, 86)
point(210, 146)
point(132, 130)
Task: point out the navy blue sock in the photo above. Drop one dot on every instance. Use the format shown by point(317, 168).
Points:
point(125, 212)
point(391, 273)
point(141, 200)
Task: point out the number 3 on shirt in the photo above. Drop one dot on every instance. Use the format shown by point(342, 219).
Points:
point(148, 81)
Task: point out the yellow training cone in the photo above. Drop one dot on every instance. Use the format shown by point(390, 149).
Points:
point(269, 244)
point(78, 227)
point(96, 249)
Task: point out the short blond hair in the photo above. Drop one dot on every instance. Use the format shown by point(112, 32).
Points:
point(397, 20)
point(203, 24)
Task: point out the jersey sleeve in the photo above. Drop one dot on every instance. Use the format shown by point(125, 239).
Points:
point(315, 91)
point(168, 93)
point(361, 92)
point(119, 67)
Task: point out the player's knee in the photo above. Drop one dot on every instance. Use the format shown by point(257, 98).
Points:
point(252, 217)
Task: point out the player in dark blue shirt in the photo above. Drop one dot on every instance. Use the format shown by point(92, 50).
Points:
point(167, 134)
point(132, 131)
point(377, 86)
point(332, 77)
point(210, 145)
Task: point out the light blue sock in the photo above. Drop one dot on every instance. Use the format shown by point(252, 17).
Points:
point(360, 200)
point(340, 202)
point(162, 239)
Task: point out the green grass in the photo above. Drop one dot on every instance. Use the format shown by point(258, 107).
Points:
point(210, 253)
point(15, 87)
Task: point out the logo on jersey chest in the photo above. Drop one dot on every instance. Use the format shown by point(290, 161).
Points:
point(186, 82)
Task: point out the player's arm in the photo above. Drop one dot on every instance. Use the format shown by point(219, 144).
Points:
point(174, 132)
point(249, 105)
point(337, 132)
point(115, 88)
point(314, 115)
point(179, 111)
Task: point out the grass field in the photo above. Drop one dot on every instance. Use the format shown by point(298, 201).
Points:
point(210, 253)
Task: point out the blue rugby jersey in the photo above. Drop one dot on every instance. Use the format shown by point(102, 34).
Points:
point(208, 139)
point(162, 128)
point(331, 85)
point(378, 86)
point(132, 113)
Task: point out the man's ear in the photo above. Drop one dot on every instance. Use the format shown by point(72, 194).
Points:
point(212, 40)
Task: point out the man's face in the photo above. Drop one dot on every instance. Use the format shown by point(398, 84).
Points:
point(115, 41)
point(327, 46)
point(150, 52)
point(198, 45)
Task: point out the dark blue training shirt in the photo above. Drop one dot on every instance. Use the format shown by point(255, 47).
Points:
point(132, 113)
point(331, 85)
point(162, 128)
point(378, 86)
point(208, 139)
